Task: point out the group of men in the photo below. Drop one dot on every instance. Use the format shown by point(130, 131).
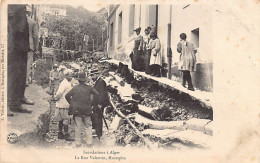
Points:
point(84, 102)
point(23, 44)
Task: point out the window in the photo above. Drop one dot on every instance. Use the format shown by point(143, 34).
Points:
point(120, 28)
point(111, 34)
point(131, 20)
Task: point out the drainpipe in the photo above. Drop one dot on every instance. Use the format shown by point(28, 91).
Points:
point(169, 50)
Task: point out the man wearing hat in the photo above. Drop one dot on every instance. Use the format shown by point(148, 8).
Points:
point(62, 106)
point(80, 107)
point(138, 58)
point(54, 79)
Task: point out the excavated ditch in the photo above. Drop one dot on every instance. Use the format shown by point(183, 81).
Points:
point(172, 107)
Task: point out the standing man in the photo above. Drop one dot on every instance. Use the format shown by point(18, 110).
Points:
point(54, 79)
point(40, 46)
point(80, 105)
point(62, 106)
point(138, 58)
point(18, 46)
point(33, 43)
point(101, 87)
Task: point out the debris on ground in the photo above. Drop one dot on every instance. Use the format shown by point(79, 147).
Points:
point(150, 110)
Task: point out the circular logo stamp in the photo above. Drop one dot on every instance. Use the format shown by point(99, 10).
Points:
point(12, 138)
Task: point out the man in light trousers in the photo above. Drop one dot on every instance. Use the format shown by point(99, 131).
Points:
point(79, 98)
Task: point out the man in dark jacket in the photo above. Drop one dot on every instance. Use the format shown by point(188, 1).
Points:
point(101, 87)
point(18, 46)
point(80, 107)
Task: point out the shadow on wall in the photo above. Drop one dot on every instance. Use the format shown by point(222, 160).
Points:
point(202, 79)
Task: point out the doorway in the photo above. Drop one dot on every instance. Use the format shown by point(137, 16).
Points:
point(195, 35)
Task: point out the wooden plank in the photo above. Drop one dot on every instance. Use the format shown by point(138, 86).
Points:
point(193, 137)
point(163, 134)
point(197, 124)
point(161, 125)
point(146, 111)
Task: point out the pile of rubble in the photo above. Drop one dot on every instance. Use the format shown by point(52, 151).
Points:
point(143, 113)
point(161, 114)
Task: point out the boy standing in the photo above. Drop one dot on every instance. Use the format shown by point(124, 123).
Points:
point(62, 106)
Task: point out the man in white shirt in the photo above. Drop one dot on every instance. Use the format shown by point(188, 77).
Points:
point(62, 106)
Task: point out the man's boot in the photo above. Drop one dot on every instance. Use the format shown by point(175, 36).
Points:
point(190, 86)
point(66, 131)
point(60, 134)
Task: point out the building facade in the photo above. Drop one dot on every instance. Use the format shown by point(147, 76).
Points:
point(192, 19)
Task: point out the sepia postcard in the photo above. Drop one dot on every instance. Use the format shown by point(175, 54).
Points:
point(130, 81)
